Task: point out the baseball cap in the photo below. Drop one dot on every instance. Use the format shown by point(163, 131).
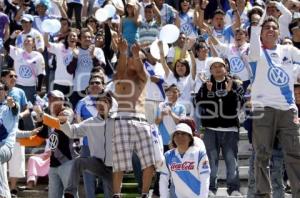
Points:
point(183, 127)
point(27, 17)
point(131, 2)
point(56, 94)
point(216, 60)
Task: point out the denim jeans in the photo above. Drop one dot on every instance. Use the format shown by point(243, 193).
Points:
point(227, 142)
point(276, 169)
point(137, 170)
point(89, 179)
point(58, 179)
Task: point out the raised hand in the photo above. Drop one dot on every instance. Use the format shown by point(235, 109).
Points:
point(122, 45)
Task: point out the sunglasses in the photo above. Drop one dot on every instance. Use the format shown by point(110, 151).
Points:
point(13, 76)
point(95, 83)
point(2, 88)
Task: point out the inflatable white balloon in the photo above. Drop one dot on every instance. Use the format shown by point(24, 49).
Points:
point(111, 10)
point(169, 33)
point(101, 15)
point(154, 49)
point(51, 25)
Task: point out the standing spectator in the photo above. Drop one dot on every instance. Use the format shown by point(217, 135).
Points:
point(183, 76)
point(26, 22)
point(188, 19)
point(275, 111)
point(186, 165)
point(131, 22)
point(169, 114)
point(284, 16)
point(62, 152)
point(294, 28)
point(75, 6)
point(8, 128)
point(4, 32)
point(63, 81)
point(132, 132)
point(30, 68)
point(85, 109)
point(219, 99)
point(243, 6)
point(99, 130)
point(224, 34)
point(17, 162)
point(236, 53)
point(155, 85)
point(150, 27)
point(168, 14)
point(84, 59)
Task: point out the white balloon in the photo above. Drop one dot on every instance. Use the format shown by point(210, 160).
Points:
point(101, 15)
point(51, 25)
point(169, 33)
point(110, 9)
point(154, 49)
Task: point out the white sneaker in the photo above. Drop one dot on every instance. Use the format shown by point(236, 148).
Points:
point(236, 193)
point(211, 194)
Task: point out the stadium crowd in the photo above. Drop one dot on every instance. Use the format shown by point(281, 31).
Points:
point(157, 87)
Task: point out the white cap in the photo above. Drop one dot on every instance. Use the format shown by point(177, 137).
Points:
point(131, 2)
point(182, 127)
point(56, 94)
point(216, 60)
point(27, 17)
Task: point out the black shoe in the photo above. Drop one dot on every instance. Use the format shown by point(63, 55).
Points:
point(68, 195)
point(14, 193)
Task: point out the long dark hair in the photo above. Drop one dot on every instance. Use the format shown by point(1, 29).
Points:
point(187, 66)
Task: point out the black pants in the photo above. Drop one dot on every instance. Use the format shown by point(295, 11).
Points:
point(76, 7)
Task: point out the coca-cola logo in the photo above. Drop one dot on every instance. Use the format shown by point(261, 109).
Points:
point(182, 166)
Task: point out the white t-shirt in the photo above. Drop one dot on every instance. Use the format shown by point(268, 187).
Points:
point(185, 86)
point(153, 92)
point(187, 24)
point(63, 58)
point(38, 39)
point(237, 58)
point(84, 67)
point(202, 68)
point(27, 65)
point(273, 84)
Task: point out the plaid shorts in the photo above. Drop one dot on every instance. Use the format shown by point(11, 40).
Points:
point(129, 136)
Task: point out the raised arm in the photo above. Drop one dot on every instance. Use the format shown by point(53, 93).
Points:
point(121, 67)
point(162, 59)
point(137, 61)
point(237, 19)
point(193, 72)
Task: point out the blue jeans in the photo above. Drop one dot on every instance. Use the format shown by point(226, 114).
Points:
point(89, 179)
point(58, 179)
point(228, 142)
point(276, 170)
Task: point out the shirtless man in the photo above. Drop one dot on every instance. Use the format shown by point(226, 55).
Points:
point(132, 132)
